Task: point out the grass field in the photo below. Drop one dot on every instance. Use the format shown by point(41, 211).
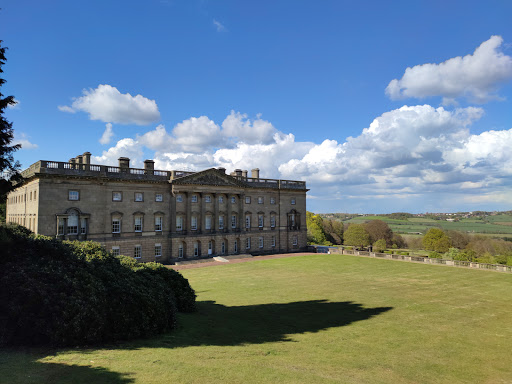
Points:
point(310, 319)
point(498, 224)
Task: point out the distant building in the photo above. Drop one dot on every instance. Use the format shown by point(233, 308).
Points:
point(161, 216)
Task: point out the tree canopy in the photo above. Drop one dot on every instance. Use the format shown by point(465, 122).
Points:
point(379, 230)
point(436, 240)
point(357, 235)
point(9, 169)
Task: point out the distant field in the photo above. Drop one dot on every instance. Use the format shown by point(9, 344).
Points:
point(499, 224)
point(309, 319)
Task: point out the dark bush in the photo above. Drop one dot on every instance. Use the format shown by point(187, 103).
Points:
point(76, 293)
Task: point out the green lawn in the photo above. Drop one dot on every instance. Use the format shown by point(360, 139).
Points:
point(310, 319)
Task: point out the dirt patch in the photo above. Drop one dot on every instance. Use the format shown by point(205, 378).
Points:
point(232, 261)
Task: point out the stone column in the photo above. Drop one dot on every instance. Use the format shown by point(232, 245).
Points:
point(201, 215)
point(215, 217)
point(188, 212)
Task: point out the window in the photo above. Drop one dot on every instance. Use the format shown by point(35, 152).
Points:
point(247, 199)
point(137, 252)
point(292, 220)
point(221, 222)
point(72, 224)
point(247, 221)
point(208, 199)
point(221, 199)
point(117, 196)
point(193, 198)
point(138, 224)
point(233, 221)
point(193, 223)
point(180, 251)
point(72, 195)
point(223, 247)
point(293, 201)
point(260, 200)
point(210, 248)
point(158, 250)
point(272, 221)
point(273, 241)
point(196, 249)
point(60, 229)
point(272, 200)
point(139, 196)
point(30, 195)
point(260, 221)
point(116, 225)
point(261, 242)
point(179, 223)
point(159, 197)
point(235, 246)
point(83, 226)
point(179, 198)
point(233, 199)
point(208, 222)
point(115, 251)
point(248, 243)
point(294, 239)
point(158, 223)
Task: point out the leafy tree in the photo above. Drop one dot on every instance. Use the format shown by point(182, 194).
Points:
point(9, 169)
point(379, 245)
point(315, 232)
point(333, 230)
point(357, 235)
point(436, 240)
point(458, 239)
point(399, 241)
point(378, 229)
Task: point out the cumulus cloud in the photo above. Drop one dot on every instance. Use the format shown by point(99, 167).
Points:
point(124, 148)
point(476, 77)
point(219, 26)
point(107, 135)
point(107, 104)
point(240, 128)
point(22, 139)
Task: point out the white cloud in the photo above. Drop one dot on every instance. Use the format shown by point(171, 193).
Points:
point(107, 135)
point(124, 148)
point(239, 127)
point(22, 139)
point(219, 26)
point(107, 104)
point(477, 76)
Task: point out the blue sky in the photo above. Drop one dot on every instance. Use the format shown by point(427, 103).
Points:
point(380, 106)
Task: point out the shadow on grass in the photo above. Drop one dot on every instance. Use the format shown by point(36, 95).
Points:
point(217, 324)
point(212, 324)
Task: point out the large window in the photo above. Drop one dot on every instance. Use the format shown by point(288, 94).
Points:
point(221, 222)
point(272, 221)
point(137, 252)
point(116, 225)
point(72, 223)
point(83, 226)
point(221, 199)
point(193, 198)
point(139, 196)
point(115, 250)
point(261, 242)
point(179, 223)
point(260, 221)
point(158, 250)
point(159, 197)
point(273, 241)
point(208, 222)
point(208, 199)
point(158, 223)
point(235, 246)
point(117, 196)
point(248, 243)
point(138, 223)
point(233, 199)
point(247, 221)
point(272, 200)
point(180, 251)
point(294, 240)
point(193, 223)
point(223, 247)
point(260, 200)
point(60, 229)
point(233, 221)
point(196, 249)
point(247, 199)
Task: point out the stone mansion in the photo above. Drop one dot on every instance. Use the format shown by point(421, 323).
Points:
point(162, 216)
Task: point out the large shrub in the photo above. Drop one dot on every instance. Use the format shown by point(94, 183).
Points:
point(76, 293)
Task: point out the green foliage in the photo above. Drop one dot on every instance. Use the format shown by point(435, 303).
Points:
point(379, 245)
point(379, 230)
point(400, 216)
point(333, 230)
point(434, 255)
point(451, 254)
point(315, 232)
point(76, 293)
point(436, 240)
point(357, 235)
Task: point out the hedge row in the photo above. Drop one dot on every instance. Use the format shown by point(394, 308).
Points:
point(76, 293)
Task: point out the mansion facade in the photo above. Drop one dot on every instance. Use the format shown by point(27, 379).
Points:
point(163, 216)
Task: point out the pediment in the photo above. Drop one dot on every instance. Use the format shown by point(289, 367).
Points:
point(210, 176)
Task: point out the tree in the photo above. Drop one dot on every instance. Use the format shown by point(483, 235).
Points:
point(436, 240)
point(315, 232)
point(378, 229)
point(357, 235)
point(333, 230)
point(9, 169)
point(379, 245)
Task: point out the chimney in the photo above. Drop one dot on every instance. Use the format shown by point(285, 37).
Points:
point(149, 165)
point(87, 157)
point(72, 161)
point(79, 159)
point(124, 162)
point(255, 173)
point(222, 169)
point(238, 172)
point(244, 174)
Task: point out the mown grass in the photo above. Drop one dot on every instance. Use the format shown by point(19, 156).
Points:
point(310, 319)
